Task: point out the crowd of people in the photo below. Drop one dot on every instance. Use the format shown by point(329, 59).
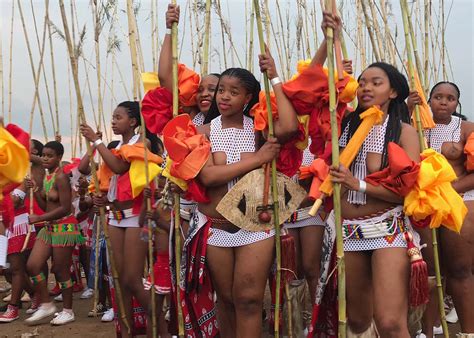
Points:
point(225, 268)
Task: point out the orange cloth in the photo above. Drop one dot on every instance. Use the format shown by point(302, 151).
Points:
point(259, 111)
point(434, 196)
point(187, 149)
point(370, 117)
point(188, 84)
point(469, 151)
point(319, 170)
point(426, 116)
point(309, 94)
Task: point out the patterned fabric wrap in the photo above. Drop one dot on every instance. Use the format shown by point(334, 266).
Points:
point(35, 280)
point(196, 291)
point(66, 284)
point(64, 233)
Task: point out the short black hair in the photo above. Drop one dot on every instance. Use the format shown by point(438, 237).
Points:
point(56, 146)
point(37, 145)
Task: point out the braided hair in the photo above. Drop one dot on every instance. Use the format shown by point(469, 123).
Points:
point(396, 114)
point(133, 109)
point(249, 82)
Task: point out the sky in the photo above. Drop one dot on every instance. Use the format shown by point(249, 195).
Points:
point(459, 42)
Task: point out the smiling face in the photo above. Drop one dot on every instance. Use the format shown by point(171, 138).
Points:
point(51, 160)
point(231, 96)
point(375, 89)
point(444, 101)
point(122, 122)
point(206, 91)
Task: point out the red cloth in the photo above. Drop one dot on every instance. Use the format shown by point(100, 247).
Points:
point(290, 157)
point(196, 192)
point(67, 169)
point(324, 319)
point(401, 174)
point(15, 244)
point(197, 301)
point(161, 269)
point(157, 109)
point(7, 210)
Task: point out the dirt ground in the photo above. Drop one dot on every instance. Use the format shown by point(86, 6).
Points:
point(85, 326)
point(82, 327)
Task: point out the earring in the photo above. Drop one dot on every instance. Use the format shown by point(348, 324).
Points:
point(245, 106)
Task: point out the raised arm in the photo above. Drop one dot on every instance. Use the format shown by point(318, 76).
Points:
point(117, 165)
point(287, 123)
point(329, 21)
point(165, 62)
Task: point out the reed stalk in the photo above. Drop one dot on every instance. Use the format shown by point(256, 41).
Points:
point(405, 15)
point(53, 70)
point(443, 44)
point(376, 28)
point(414, 45)
point(153, 37)
point(132, 35)
point(40, 47)
point(276, 221)
point(176, 205)
point(426, 45)
point(207, 32)
point(97, 30)
point(36, 76)
point(10, 67)
point(82, 117)
point(341, 280)
point(375, 50)
point(250, 51)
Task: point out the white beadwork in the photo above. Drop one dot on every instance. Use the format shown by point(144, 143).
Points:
point(198, 120)
point(308, 157)
point(442, 133)
point(232, 141)
point(373, 143)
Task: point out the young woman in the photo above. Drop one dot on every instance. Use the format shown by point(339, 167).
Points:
point(376, 265)
point(239, 260)
point(57, 238)
point(207, 86)
point(450, 137)
point(128, 249)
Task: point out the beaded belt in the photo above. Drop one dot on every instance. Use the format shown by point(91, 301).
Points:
point(299, 215)
point(121, 214)
point(388, 224)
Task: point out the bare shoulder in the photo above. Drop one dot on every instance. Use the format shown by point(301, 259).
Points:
point(62, 179)
point(204, 129)
point(409, 141)
point(408, 132)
